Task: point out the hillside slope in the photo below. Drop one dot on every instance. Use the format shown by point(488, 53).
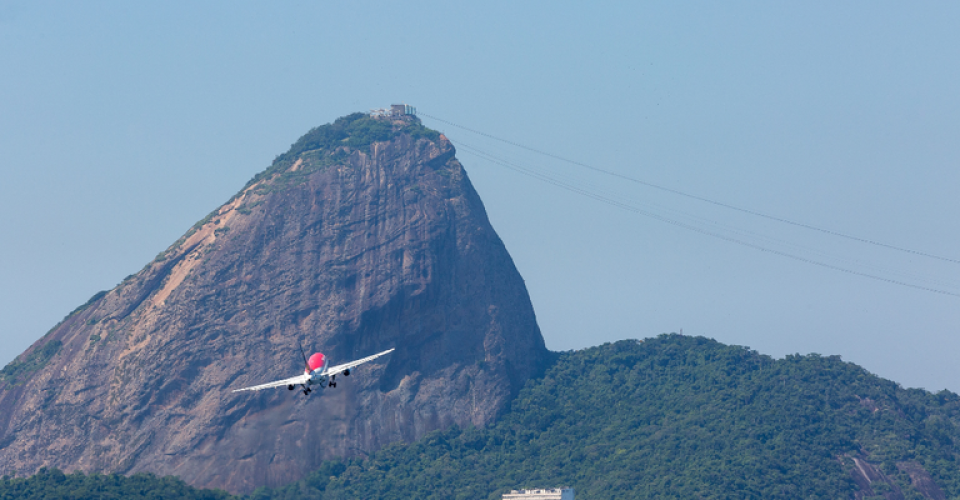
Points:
point(670, 418)
point(365, 235)
point(680, 417)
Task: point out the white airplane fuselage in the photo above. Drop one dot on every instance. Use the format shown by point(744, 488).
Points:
point(318, 377)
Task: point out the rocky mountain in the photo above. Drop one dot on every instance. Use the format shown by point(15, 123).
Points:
point(365, 235)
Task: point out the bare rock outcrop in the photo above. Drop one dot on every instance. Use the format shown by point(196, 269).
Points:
point(872, 482)
point(367, 235)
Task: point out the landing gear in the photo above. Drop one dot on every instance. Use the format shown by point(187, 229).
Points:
point(306, 390)
point(332, 383)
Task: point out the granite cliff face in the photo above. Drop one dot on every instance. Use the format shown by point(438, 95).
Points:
point(366, 235)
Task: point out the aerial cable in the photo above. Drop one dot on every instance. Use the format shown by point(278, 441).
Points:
point(700, 230)
point(706, 232)
point(631, 205)
point(699, 198)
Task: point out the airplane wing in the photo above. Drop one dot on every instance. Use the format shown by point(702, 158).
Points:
point(336, 370)
point(299, 379)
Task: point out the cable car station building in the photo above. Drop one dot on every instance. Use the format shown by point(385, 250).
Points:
point(547, 494)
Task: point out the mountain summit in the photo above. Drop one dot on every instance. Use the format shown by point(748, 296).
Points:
point(365, 235)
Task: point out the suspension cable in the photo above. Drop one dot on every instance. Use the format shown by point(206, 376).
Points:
point(699, 198)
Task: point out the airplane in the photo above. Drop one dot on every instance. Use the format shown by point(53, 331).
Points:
point(315, 372)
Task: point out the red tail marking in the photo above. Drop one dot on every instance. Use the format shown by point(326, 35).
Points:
point(316, 361)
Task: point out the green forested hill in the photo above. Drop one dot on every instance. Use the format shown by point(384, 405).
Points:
point(678, 417)
point(55, 485)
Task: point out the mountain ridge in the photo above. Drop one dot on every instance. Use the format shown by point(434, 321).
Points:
point(366, 234)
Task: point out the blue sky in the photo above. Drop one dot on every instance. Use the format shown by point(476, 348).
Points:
point(122, 124)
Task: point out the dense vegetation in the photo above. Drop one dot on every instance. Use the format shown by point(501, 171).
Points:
point(53, 484)
point(672, 417)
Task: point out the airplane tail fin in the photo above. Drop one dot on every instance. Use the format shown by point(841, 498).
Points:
point(306, 365)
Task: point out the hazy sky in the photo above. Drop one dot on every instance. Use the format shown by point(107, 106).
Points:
point(122, 124)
